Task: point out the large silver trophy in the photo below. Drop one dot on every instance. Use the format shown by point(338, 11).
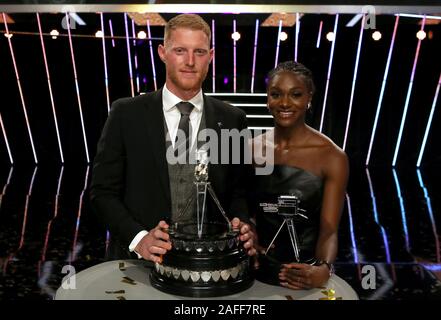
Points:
point(207, 259)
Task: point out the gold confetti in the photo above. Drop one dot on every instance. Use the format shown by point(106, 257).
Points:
point(121, 266)
point(121, 298)
point(289, 298)
point(128, 280)
point(330, 295)
point(117, 291)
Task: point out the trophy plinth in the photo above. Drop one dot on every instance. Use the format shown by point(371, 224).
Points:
point(207, 259)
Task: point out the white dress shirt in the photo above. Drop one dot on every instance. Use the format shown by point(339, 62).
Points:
point(172, 117)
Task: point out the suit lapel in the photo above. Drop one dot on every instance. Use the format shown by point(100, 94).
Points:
point(157, 139)
point(213, 121)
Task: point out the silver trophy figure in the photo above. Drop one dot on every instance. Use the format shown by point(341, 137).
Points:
point(202, 185)
point(288, 208)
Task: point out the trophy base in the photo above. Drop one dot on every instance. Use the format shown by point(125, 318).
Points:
point(200, 290)
point(211, 266)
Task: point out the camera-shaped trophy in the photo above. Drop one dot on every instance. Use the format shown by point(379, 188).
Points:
point(284, 245)
point(288, 208)
point(207, 258)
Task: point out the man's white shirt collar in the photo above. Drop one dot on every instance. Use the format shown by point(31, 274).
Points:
point(170, 100)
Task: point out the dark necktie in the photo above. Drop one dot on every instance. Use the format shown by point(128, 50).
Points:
point(185, 109)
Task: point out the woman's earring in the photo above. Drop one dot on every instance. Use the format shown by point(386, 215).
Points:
point(309, 105)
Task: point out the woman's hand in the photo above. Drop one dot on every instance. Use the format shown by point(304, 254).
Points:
point(300, 276)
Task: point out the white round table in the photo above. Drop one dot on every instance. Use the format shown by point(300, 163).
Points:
point(129, 280)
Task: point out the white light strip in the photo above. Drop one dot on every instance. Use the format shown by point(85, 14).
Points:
point(354, 20)
point(409, 91)
point(216, 8)
point(351, 230)
point(151, 54)
point(354, 80)
point(111, 32)
point(383, 86)
point(262, 105)
point(129, 55)
point(278, 44)
point(234, 58)
point(56, 207)
point(329, 73)
point(106, 77)
point(54, 113)
point(377, 220)
point(213, 63)
point(23, 104)
point(230, 94)
point(296, 46)
point(429, 123)
point(418, 16)
point(26, 208)
point(5, 137)
point(402, 209)
point(135, 55)
point(77, 18)
point(319, 36)
point(8, 181)
point(431, 217)
point(260, 116)
point(73, 256)
point(77, 89)
point(253, 72)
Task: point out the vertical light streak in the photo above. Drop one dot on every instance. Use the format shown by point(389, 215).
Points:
point(49, 225)
point(77, 87)
point(135, 55)
point(106, 76)
point(409, 91)
point(234, 58)
point(111, 32)
point(351, 229)
point(319, 36)
point(403, 210)
point(354, 80)
point(296, 46)
point(80, 209)
point(329, 72)
point(5, 137)
point(253, 72)
point(129, 55)
point(431, 217)
point(54, 113)
point(278, 44)
point(383, 86)
point(23, 104)
point(429, 123)
point(26, 208)
point(213, 63)
point(377, 221)
point(151, 54)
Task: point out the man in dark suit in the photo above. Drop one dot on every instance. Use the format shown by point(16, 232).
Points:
point(134, 187)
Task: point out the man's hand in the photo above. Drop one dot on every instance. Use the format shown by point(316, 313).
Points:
point(246, 235)
point(155, 243)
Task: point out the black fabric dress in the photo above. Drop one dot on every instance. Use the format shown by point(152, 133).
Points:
point(285, 180)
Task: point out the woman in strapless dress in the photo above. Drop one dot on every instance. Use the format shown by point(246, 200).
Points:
point(307, 165)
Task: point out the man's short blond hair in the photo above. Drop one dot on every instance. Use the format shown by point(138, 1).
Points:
point(189, 21)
